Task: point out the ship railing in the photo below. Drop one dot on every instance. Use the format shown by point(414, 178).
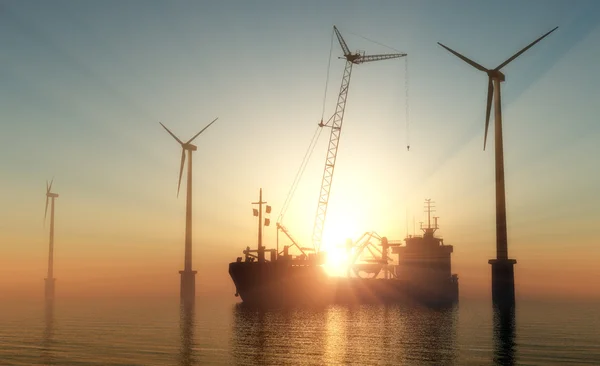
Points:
point(251, 257)
point(395, 242)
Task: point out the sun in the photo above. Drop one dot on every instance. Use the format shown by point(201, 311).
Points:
point(336, 262)
point(337, 231)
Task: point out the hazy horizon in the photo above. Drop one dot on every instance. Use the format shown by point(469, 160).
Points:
point(85, 86)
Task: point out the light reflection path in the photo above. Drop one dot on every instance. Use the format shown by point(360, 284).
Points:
point(187, 324)
point(504, 335)
point(335, 335)
point(47, 349)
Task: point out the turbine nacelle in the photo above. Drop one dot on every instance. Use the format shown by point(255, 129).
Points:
point(48, 196)
point(185, 146)
point(496, 75)
point(189, 147)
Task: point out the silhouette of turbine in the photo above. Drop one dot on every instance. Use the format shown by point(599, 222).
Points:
point(502, 267)
point(49, 291)
point(188, 282)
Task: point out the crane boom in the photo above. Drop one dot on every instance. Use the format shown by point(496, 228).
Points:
point(370, 58)
point(343, 44)
point(336, 129)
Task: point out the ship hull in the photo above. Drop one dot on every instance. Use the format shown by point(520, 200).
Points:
point(280, 284)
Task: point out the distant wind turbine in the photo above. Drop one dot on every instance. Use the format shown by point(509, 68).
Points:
point(502, 267)
point(188, 283)
point(50, 197)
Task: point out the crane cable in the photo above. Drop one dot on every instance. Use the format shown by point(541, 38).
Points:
point(327, 78)
point(406, 102)
point(405, 85)
point(311, 146)
point(407, 121)
point(407, 126)
point(379, 43)
point(307, 155)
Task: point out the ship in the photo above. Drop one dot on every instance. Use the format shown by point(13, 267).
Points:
point(420, 274)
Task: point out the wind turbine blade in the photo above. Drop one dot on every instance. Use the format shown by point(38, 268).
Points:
point(469, 61)
point(181, 170)
point(50, 188)
point(46, 210)
point(488, 110)
point(523, 50)
point(47, 187)
point(196, 135)
point(171, 133)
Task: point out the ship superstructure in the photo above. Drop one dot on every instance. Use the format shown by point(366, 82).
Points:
point(425, 260)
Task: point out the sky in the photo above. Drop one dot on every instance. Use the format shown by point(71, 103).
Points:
point(85, 84)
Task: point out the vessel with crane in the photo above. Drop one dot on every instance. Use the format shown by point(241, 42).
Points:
point(295, 275)
point(420, 273)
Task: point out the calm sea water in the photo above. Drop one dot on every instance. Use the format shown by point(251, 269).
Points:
point(160, 332)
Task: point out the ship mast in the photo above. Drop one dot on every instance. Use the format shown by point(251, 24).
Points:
point(261, 249)
point(428, 231)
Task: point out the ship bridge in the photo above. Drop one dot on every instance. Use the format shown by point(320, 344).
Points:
point(424, 258)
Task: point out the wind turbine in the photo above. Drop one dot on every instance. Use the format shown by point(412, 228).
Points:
point(49, 291)
point(502, 268)
point(188, 282)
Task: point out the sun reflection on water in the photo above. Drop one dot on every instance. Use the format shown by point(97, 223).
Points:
point(332, 335)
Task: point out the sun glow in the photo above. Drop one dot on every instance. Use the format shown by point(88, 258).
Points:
point(340, 227)
point(336, 262)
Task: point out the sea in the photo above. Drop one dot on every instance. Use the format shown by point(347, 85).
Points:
point(219, 331)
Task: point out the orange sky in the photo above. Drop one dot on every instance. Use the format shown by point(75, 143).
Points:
point(118, 267)
point(82, 104)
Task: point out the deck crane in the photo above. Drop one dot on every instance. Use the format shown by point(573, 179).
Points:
point(335, 123)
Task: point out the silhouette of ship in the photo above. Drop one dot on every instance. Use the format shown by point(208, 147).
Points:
point(420, 274)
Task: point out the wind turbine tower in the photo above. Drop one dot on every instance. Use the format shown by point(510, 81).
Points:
point(188, 276)
point(503, 278)
point(50, 280)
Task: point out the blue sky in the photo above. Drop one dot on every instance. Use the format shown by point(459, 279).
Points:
point(84, 85)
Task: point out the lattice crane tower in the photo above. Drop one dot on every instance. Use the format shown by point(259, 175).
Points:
point(335, 122)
